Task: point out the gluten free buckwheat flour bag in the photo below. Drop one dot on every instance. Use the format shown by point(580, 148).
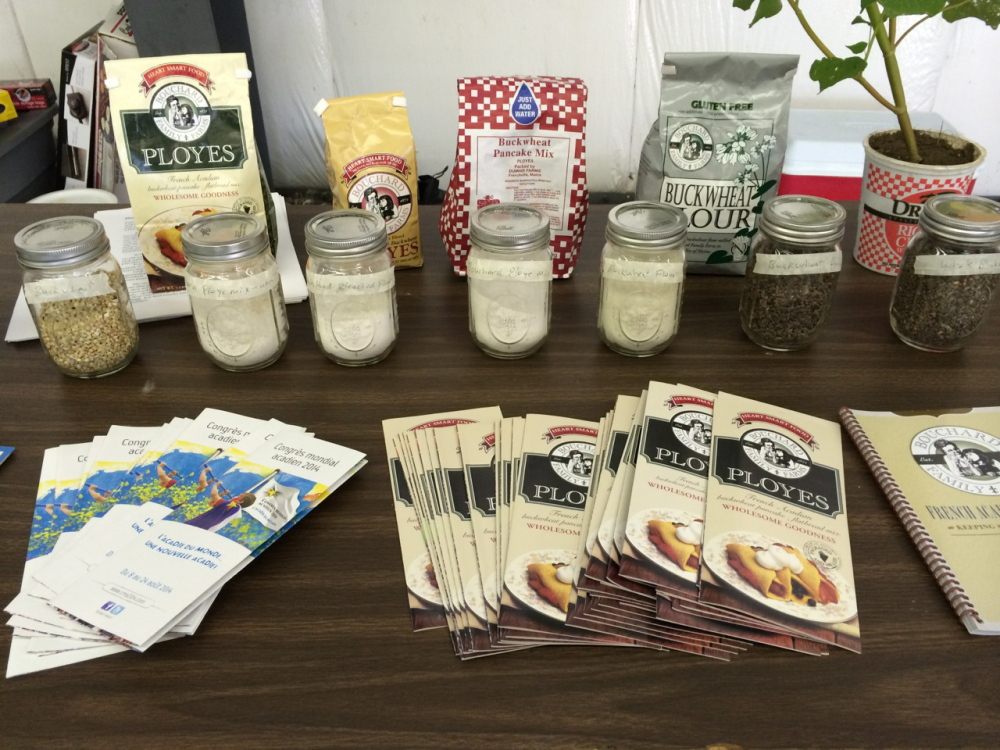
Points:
point(520, 140)
point(185, 141)
point(371, 163)
point(717, 148)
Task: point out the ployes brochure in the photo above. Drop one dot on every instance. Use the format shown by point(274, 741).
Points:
point(777, 545)
point(546, 519)
point(424, 598)
point(666, 521)
point(164, 570)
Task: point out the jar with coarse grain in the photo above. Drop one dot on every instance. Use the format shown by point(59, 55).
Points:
point(77, 296)
point(235, 290)
point(949, 272)
point(792, 272)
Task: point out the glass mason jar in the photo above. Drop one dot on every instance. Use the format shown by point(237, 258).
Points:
point(77, 296)
point(352, 286)
point(510, 279)
point(642, 278)
point(792, 271)
point(235, 290)
point(949, 272)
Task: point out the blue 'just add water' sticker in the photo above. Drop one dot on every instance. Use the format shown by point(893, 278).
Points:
point(5, 452)
point(524, 107)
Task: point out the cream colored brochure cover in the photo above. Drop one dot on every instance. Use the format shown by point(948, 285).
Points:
point(546, 519)
point(424, 597)
point(947, 470)
point(663, 533)
point(777, 545)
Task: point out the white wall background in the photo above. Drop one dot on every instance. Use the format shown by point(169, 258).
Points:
point(305, 50)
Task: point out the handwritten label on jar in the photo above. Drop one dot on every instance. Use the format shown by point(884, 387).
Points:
point(233, 289)
point(359, 284)
point(487, 269)
point(957, 265)
point(798, 265)
point(651, 273)
point(60, 290)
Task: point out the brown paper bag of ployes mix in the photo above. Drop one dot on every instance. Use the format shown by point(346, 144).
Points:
point(520, 140)
point(185, 139)
point(717, 148)
point(371, 163)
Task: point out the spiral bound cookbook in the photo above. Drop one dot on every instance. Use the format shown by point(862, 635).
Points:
point(941, 474)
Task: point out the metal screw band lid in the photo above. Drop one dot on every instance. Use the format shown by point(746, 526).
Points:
point(510, 226)
point(962, 218)
point(223, 237)
point(803, 220)
point(645, 224)
point(61, 241)
point(352, 231)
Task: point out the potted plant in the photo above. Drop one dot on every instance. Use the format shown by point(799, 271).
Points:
point(904, 167)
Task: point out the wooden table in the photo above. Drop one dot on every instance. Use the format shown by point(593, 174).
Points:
point(311, 646)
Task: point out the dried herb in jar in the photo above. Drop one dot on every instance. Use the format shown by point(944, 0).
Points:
point(792, 272)
point(949, 273)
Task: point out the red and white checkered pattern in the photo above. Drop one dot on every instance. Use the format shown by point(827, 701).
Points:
point(879, 245)
point(483, 104)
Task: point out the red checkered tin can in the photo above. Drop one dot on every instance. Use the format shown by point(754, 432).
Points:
point(520, 140)
point(893, 194)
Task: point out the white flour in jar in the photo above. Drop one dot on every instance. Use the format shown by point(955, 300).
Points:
point(354, 315)
point(240, 322)
point(640, 304)
point(510, 316)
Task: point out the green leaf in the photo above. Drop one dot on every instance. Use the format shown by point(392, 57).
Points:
point(858, 48)
point(861, 19)
point(831, 70)
point(719, 256)
point(865, 4)
point(892, 8)
point(764, 188)
point(743, 4)
point(744, 232)
point(759, 208)
point(766, 9)
point(987, 11)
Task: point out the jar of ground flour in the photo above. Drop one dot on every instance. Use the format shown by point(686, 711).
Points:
point(235, 290)
point(642, 278)
point(509, 273)
point(352, 286)
point(77, 296)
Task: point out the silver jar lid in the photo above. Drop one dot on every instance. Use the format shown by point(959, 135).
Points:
point(510, 226)
point(962, 218)
point(803, 220)
point(62, 241)
point(351, 231)
point(645, 224)
point(223, 237)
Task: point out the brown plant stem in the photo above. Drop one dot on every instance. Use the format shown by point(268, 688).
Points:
point(895, 81)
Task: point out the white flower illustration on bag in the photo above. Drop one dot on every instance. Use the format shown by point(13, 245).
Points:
point(747, 147)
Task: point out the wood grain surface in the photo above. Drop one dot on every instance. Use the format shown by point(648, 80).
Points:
point(311, 646)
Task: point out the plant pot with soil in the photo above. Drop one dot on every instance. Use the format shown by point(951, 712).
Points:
point(904, 167)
